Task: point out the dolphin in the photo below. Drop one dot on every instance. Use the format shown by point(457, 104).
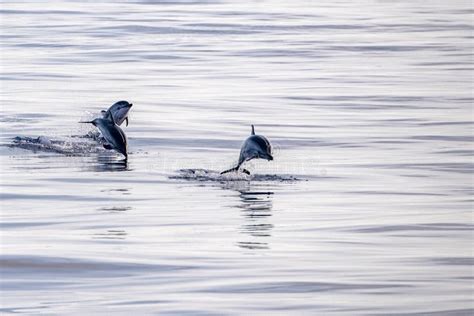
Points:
point(119, 111)
point(255, 146)
point(114, 136)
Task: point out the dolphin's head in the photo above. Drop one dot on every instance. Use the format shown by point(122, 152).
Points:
point(119, 111)
point(262, 146)
point(268, 154)
point(121, 105)
point(269, 157)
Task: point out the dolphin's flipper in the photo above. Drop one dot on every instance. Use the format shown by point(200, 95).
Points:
point(126, 121)
point(108, 146)
point(246, 171)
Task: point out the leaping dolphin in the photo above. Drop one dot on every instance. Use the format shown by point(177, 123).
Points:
point(119, 112)
point(255, 146)
point(114, 136)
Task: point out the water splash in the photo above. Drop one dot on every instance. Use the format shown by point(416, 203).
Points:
point(204, 175)
point(68, 147)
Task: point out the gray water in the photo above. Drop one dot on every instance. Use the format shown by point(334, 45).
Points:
point(366, 209)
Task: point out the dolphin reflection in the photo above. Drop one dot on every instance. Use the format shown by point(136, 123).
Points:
point(257, 211)
point(107, 163)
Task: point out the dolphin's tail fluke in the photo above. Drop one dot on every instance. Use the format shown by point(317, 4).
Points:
point(230, 170)
point(236, 168)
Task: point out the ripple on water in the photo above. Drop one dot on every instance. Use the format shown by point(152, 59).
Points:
point(12, 265)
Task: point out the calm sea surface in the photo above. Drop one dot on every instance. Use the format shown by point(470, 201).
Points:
point(366, 209)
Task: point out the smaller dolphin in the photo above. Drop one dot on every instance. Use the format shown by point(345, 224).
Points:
point(255, 146)
point(114, 136)
point(119, 111)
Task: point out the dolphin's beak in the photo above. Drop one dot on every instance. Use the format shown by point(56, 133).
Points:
point(131, 104)
point(90, 122)
point(270, 157)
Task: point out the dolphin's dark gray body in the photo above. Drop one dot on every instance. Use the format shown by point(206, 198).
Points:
point(112, 133)
point(119, 111)
point(255, 146)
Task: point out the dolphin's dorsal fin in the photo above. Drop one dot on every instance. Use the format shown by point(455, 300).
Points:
point(253, 130)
